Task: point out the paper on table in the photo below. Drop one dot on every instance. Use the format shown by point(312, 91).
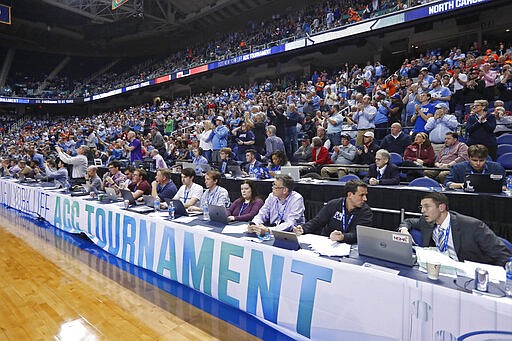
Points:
point(311, 238)
point(448, 266)
point(325, 246)
point(308, 253)
point(235, 228)
point(161, 214)
point(184, 219)
point(201, 227)
point(496, 273)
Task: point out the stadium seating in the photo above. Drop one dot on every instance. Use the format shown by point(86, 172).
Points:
point(425, 182)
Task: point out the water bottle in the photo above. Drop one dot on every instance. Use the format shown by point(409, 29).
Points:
point(156, 205)
point(171, 209)
point(508, 283)
point(509, 186)
point(206, 214)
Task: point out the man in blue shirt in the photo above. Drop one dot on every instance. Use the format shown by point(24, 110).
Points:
point(424, 111)
point(219, 137)
point(477, 163)
point(163, 187)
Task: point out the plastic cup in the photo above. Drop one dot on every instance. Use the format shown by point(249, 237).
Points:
point(433, 270)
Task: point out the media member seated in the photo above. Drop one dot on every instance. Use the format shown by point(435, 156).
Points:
point(189, 193)
point(339, 217)
point(382, 172)
point(247, 206)
point(198, 158)
point(283, 209)
point(214, 194)
point(22, 170)
point(92, 179)
point(277, 160)
point(477, 163)
point(140, 185)
point(225, 160)
point(114, 178)
point(251, 162)
point(162, 186)
point(57, 171)
point(459, 236)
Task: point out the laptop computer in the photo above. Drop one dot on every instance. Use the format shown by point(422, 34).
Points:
point(128, 195)
point(286, 240)
point(383, 244)
point(149, 200)
point(136, 206)
point(205, 167)
point(187, 165)
point(235, 171)
point(292, 171)
point(218, 214)
point(180, 209)
point(483, 183)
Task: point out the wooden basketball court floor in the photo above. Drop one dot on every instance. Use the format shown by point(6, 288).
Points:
point(51, 288)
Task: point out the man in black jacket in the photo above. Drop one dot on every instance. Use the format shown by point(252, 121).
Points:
point(382, 172)
point(339, 217)
point(459, 236)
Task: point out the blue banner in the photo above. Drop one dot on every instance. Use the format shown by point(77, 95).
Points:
point(5, 14)
point(439, 8)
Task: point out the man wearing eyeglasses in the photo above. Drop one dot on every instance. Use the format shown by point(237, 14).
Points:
point(339, 218)
point(459, 236)
point(283, 209)
point(382, 172)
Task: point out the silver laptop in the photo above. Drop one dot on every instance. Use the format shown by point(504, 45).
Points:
point(391, 246)
point(286, 240)
point(293, 171)
point(187, 165)
point(111, 194)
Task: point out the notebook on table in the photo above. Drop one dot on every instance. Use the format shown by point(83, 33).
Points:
point(387, 245)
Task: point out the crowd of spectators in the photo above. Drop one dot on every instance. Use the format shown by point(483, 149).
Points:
point(328, 112)
point(278, 29)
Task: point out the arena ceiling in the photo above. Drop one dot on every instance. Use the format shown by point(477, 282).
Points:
point(91, 27)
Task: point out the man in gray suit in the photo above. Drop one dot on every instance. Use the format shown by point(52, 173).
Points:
point(459, 236)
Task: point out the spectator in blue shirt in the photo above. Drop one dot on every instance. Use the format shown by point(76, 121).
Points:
point(219, 137)
point(424, 111)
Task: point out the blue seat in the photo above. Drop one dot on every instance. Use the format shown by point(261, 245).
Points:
point(396, 158)
point(505, 160)
point(425, 182)
point(506, 242)
point(348, 177)
point(503, 148)
point(504, 139)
